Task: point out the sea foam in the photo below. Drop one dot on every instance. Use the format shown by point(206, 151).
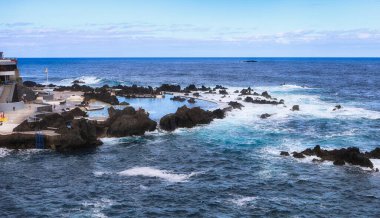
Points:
point(156, 173)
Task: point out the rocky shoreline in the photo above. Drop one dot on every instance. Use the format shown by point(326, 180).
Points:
point(339, 157)
point(72, 130)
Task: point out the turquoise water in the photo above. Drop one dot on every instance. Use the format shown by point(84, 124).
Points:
point(156, 107)
point(230, 168)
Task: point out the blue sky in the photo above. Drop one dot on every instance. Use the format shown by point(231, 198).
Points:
point(184, 28)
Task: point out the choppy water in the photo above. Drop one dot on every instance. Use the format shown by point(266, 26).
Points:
point(229, 168)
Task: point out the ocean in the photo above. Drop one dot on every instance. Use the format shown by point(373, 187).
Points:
point(229, 168)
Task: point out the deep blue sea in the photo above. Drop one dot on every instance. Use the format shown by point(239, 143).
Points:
point(230, 168)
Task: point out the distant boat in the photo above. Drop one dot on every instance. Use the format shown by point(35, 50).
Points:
point(250, 61)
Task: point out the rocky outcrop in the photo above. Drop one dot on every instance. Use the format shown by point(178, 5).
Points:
point(264, 116)
point(128, 122)
point(24, 93)
point(223, 92)
point(74, 88)
point(375, 154)
point(337, 107)
point(295, 108)
point(169, 88)
point(186, 117)
point(261, 101)
point(103, 96)
point(351, 155)
point(31, 84)
point(266, 95)
point(191, 101)
point(235, 104)
point(284, 153)
point(134, 90)
point(74, 133)
point(178, 98)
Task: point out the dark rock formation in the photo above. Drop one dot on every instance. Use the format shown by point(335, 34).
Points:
point(75, 88)
point(123, 103)
point(103, 96)
point(295, 108)
point(374, 154)
point(196, 94)
point(337, 107)
point(260, 101)
point(264, 116)
point(134, 90)
point(169, 88)
point(284, 153)
point(30, 84)
point(24, 93)
point(298, 155)
point(218, 114)
point(77, 82)
point(223, 92)
point(219, 87)
point(351, 155)
point(266, 95)
point(128, 122)
point(235, 104)
point(74, 133)
point(178, 98)
point(191, 87)
point(191, 101)
point(186, 117)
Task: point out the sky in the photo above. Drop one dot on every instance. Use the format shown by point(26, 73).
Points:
point(190, 28)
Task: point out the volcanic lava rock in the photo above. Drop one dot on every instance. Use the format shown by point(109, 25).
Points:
point(77, 82)
point(375, 154)
point(74, 133)
point(295, 108)
point(260, 101)
point(337, 107)
point(223, 92)
point(264, 116)
point(298, 155)
point(266, 95)
point(103, 96)
point(235, 104)
point(284, 153)
point(191, 87)
point(186, 117)
point(128, 122)
point(30, 84)
point(191, 101)
point(74, 88)
point(24, 93)
point(351, 155)
point(196, 94)
point(218, 114)
point(178, 98)
point(169, 88)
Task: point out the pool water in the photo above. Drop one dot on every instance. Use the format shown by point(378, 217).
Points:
point(157, 107)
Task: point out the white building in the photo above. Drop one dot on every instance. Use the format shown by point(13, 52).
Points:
point(8, 70)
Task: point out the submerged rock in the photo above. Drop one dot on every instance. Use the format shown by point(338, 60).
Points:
point(223, 92)
point(295, 108)
point(235, 104)
point(298, 155)
point(178, 98)
point(260, 101)
point(191, 101)
point(284, 153)
point(337, 107)
point(264, 116)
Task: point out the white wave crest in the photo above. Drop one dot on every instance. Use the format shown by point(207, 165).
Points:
point(152, 172)
point(88, 80)
point(243, 201)
point(4, 152)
